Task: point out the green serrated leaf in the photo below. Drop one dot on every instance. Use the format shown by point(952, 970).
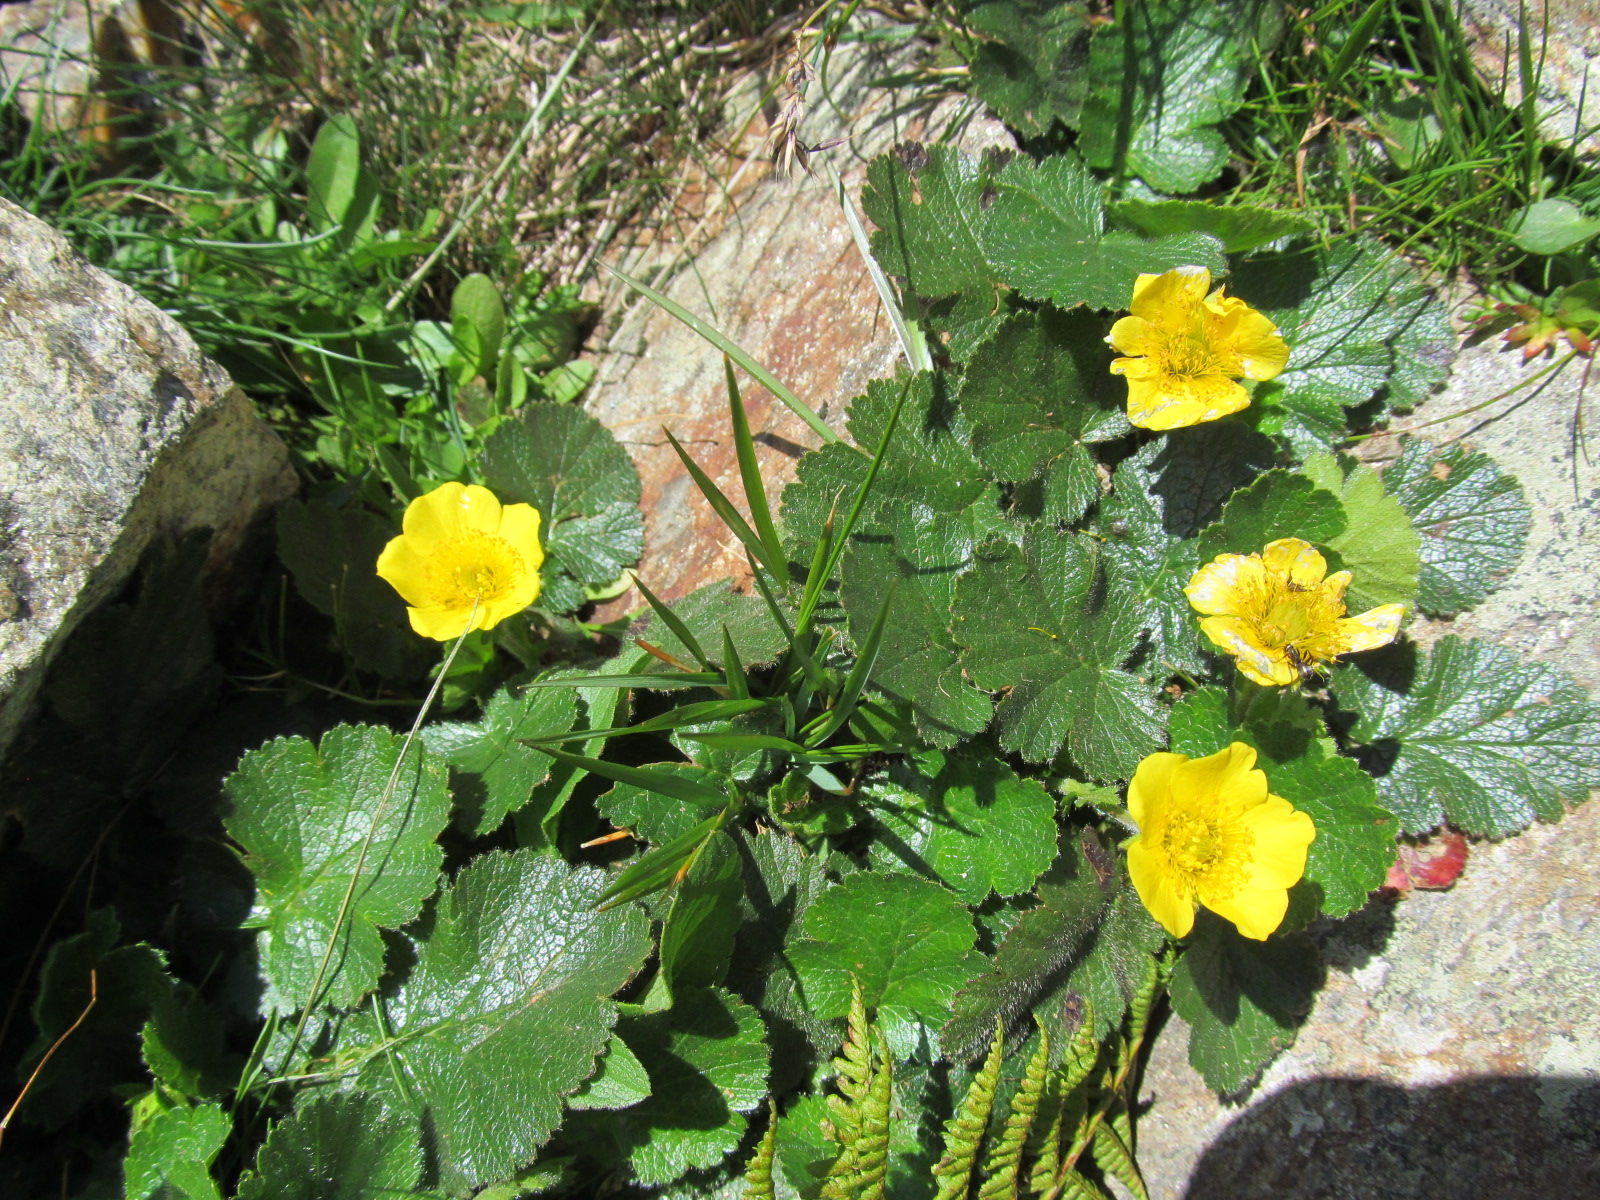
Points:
point(1053, 621)
point(967, 822)
point(596, 549)
point(493, 773)
point(182, 1044)
point(1240, 228)
point(619, 1080)
point(1472, 520)
point(332, 554)
point(350, 1147)
point(1028, 67)
point(170, 1153)
point(1160, 499)
point(1038, 393)
point(510, 985)
point(1160, 80)
point(310, 818)
point(1380, 545)
point(1045, 236)
point(1278, 505)
point(1473, 734)
point(928, 463)
point(1356, 318)
point(1243, 1000)
point(927, 202)
point(1355, 842)
point(781, 881)
point(569, 466)
point(113, 989)
point(1039, 952)
point(908, 941)
point(697, 938)
point(707, 1059)
point(919, 554)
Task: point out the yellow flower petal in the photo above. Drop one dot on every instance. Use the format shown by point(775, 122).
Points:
point(1133, 335)
point(1371, 629)
point(1282, 835)
point(405, 570)
point(1172, 907)
point(1215, 587)
point(1159, 298)
point(1150, 782)
point(448, 511)
point(1187, 350)
point(1296, 561)
point(1247, 338)
point(1227, 776)
point(1277, 614)
point(1241, 638)
point(1175, 402)
point(1257, 912)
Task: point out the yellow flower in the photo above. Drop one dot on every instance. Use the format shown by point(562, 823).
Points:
point(464, 562)
point(1209, 831)
point(1190, 349)
point(1279, 617)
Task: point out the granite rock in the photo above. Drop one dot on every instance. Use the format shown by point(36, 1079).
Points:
point(1565, 38)
point(114, 431)
point(783, 279)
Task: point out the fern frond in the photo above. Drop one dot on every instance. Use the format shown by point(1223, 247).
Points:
point(1144, 1000)
point(1081, 1053)
point(963, 1132)
point(1111, 1155)
point(1076, 1187)
point(853, 1064)
point(860, 1112)
point(1044, 1142)
point(872, 1148)
point(758, 1171)
point(1004, 1163)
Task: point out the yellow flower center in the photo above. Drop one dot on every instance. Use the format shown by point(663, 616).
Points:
point(473, 566)
point(1187, 354)
point(1200, 844)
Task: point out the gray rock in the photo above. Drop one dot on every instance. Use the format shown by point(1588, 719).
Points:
point(114, 430)
point(1456, 1049)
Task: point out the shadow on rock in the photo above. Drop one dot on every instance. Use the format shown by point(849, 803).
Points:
point(1490, 1138)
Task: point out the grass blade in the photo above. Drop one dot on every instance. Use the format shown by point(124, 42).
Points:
point(684, 714)
point(723, 507)
point(857, 680)
point(659, 782)
point(674, 623)
point(756, 371)
point(654, 682)
point(755, 490)
point(912, 341)
point(738, 686)
point(662, 865)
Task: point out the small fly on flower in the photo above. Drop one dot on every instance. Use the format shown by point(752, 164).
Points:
point(1308, 672)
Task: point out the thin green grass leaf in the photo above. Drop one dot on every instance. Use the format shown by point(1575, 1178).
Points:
point(755, 491)
point(672, 622)
point(759, 373)
point(724, 508)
